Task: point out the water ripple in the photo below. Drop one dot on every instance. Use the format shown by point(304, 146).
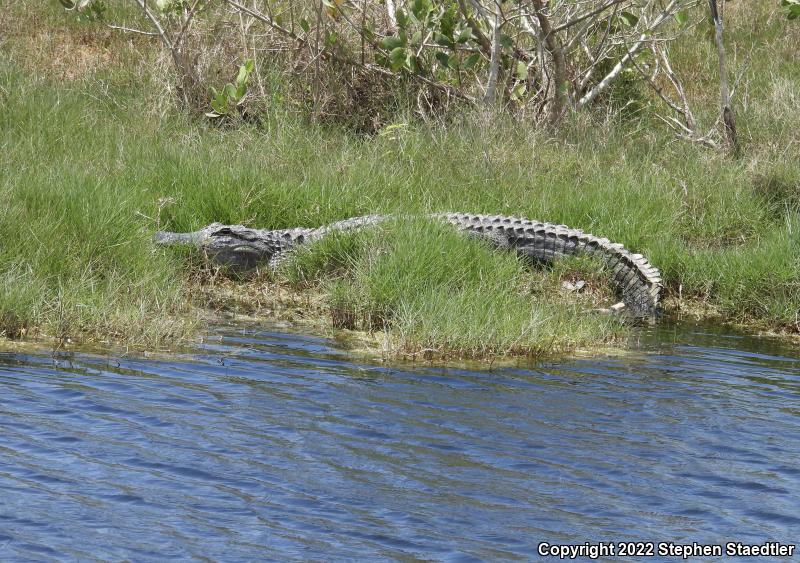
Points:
point(271, 446)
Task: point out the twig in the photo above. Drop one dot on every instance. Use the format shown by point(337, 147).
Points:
point(266, 19)
point(131, 30)
point(391, 11)
point(186, 22)
point(587, 15)
point(161, 33)
point(551, 42)
point(494, 62)
point(724, 92)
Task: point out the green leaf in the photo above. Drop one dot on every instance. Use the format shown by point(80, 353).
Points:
point(230, 91)
point(506, 41)
point(465, 35)
point(522, 71)
point(629, 18)
point(443, 59)
point(241, 78)
point(471, 61)
point(397, 58)
point(411, 63)
point(448, 21)
point(518, 91)
point(401, 17)
point(792, 8)
point(249, 65)
point(681, 17)
point(219, 107)
point(391, 43)
point(444, 41)
point(381, 59)
point(304, 25)
point(421, 8)
point(331, 39)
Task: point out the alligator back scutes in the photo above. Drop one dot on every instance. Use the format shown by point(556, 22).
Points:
point(638, 281)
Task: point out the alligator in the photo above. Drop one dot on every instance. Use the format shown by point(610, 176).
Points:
point(239, 248)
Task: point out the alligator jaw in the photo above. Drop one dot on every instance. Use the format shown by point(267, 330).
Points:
point(166, 238)
point(195, 238)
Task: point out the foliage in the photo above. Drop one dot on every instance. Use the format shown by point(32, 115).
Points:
point(172, 6)
point(528, 56)
point(421, 22)
point(227, 101)
point(86, 10)
point(792, 8)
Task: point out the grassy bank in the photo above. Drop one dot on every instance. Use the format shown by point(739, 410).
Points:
point(93, 161)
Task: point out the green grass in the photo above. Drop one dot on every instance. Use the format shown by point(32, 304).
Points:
point(427, 287)
point(92, 165)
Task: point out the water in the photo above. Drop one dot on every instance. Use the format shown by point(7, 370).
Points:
point(269, 446)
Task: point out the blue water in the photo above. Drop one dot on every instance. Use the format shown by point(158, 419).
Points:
point(269, 446)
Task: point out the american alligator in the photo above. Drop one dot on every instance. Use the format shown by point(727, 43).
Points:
point(635, 279)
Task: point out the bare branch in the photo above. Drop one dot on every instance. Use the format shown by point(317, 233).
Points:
point(391, 11)
point(186, 22)
point(131, 30)
point(494, 63)
point(592, 94)
point(266, 19)
point(483, 41)
point(559, 101)
point(724, 93)
point(161, 33)
point(587, 15)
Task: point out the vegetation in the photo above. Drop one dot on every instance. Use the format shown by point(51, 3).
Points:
point(96, 156)
point(436, 292)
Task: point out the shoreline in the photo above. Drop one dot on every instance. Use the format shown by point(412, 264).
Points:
point(287, 309)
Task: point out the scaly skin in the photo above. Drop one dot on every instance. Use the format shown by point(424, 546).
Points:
point(636, 280)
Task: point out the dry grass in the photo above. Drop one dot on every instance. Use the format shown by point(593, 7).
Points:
point(49, 46)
